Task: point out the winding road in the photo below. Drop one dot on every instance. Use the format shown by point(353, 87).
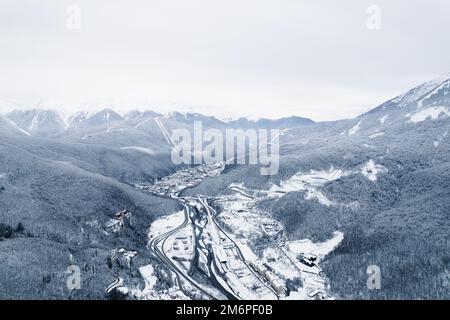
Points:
point(157, 246)
point(223, 280)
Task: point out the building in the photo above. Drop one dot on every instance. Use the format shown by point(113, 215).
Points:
point(269, 277)
point(121, 215)
point(307, 259)
point(272, 230)
point(115, 224)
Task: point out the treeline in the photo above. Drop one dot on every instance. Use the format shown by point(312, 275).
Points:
point(6, 231)
point(410, 268)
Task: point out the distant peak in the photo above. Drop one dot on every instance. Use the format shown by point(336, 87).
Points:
point(108, 114)
point(418, 92)
point(138, 114)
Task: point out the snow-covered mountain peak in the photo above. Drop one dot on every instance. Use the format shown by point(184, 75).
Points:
point(107, 114)
point(137, 114)
point(39, 121)
point(104, 116)
point(419, 93)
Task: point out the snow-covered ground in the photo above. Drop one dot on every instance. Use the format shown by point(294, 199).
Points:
point(181, 245)
point(267, 256)
point(439, 139)
point(421, 91)
point(320, 250)
point(370, 170)
point(165, 224)
point(149, 277)
point(302, 180)
point(149, 291)
point(139, 149)
point(12, 123)
point(241, 215)
point(376, 135)
point(143, 122)
point(432, 113)
point(444, 86)
point(383, 119)
point(354, 129)
point(309, 182)
point(183, 179)
point(115, 129)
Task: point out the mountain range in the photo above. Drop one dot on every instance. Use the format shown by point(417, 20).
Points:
point(62, 177)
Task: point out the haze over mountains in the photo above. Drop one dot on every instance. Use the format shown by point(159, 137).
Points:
point(48, 122)
point(63, 177)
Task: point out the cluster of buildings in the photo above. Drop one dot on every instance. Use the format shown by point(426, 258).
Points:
point(123, 257)
point(268, 276)
point(229, 260)
point(307, 259)
point(182, 179)
point(272, 230)
point(237, 274)
point(181, 243)
point(225, 252)
point(272, 235)
point(318, 294)
point(115, 224)
point(182, 247)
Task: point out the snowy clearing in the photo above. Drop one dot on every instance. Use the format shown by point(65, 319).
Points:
point(12, 123)
point(139, 149)
point(376, 134)
point(149, 277)
point(370, 170)
point(318, 249)
point(443, 86)
point(432, 113)
point(354, 129)
point(165, 224)
point(300, 180)
point(309, 182)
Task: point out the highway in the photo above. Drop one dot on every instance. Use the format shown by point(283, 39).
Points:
point(216, 263)
point(207, 233)
point(117, 283)
point(157, 246)
point(212, 213)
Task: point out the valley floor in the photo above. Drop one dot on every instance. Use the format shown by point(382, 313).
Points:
point(226, 247)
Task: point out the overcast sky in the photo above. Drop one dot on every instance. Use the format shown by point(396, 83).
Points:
point(255, 58)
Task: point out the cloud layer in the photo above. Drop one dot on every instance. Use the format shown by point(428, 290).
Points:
point(230, 58)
